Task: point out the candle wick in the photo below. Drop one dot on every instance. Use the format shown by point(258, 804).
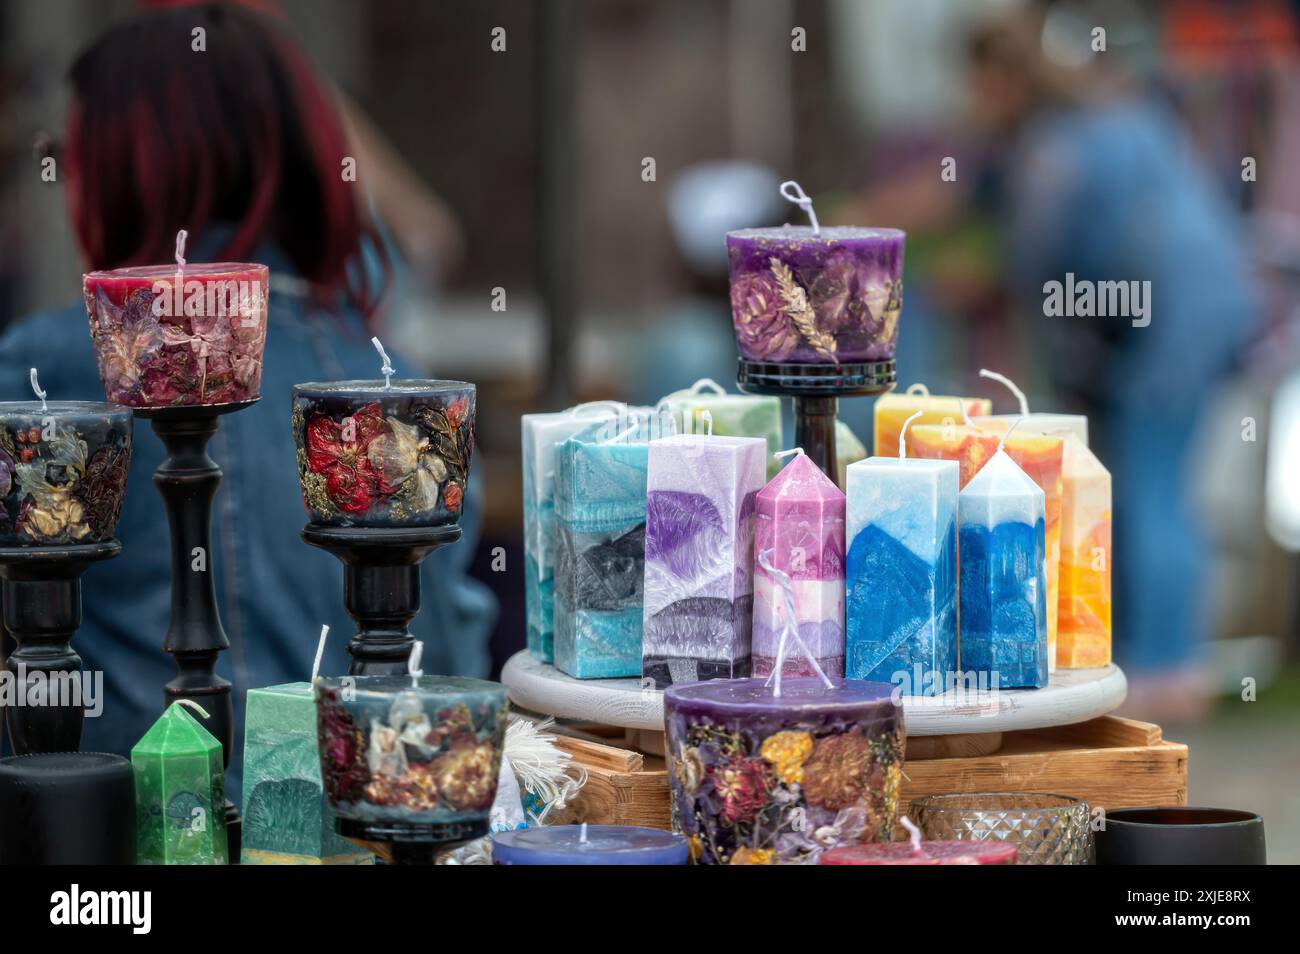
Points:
point(915, 834)
point(40, 393)
point(800, 198)
point(582, 835)
point(387, 369)
point(902, 435)
point(413, 663)
point(320, 652)
point(918, 388)
point(181, 236)
point(707, 415)
point(1010, 385)
point(790, 629)
point(191, 704)
point(782, 455)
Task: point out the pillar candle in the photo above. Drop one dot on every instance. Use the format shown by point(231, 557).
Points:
point(699, 556)
point(1038, 455)
point(588, 845)
point(541, 435)
point(413, 750)
point(63, 469)
point(194, 338)
point(179, 793)
point(600, 509)
point(799, 523)
point(381, 454)
point(802, 296)
point(757, 778)
point(729, 415)
point(1003, 585)
point(892, 410)
point(902, 572)
point(927, 853)
point(1038, 423)
point(286, 820)
point(1083, 635)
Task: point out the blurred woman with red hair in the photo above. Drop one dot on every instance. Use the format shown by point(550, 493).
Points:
point(241, 145)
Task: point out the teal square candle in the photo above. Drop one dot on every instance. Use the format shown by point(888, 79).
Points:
point(179, 793)
point(286, 818)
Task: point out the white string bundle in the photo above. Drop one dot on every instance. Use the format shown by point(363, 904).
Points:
point(541, 766)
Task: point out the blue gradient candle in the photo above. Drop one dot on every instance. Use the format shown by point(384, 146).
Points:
point(1004, 575)
point(588, 845)
point(901, 574)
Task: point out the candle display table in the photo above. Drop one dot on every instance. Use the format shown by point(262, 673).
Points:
point(188, 480)
point(381, 587)
point(816, 390)
point(40, 590)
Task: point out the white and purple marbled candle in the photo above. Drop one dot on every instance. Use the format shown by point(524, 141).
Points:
point(699, 556)
point(799, 525)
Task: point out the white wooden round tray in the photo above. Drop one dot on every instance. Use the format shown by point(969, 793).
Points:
point(1073, 695)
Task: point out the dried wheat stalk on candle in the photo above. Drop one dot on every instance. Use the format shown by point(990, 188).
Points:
point(797, 306)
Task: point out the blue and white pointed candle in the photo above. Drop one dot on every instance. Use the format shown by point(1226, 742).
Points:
point(901, 573)
point(1004, 575)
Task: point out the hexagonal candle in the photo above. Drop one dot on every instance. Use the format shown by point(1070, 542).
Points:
point(183, 334)
point(600, 510)
point(901, 579)
point(1038, 455)
point(892, 410)
point(761, 778)
point(799, 526)
point(803, 295)
point(179, 792)
point(1003, 586)
point(541, 436)
point(384, 453)
point(1083, 636)
point(699, 556)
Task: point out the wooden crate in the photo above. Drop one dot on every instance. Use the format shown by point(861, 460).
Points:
point(1110, 762)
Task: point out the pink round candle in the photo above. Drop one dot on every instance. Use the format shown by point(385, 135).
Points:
point(799, 524)
point(929, 853)
point(160, 345)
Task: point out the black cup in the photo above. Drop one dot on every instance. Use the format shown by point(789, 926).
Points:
point(1178, 835)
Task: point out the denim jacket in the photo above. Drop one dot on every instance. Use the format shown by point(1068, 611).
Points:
point(274, 590)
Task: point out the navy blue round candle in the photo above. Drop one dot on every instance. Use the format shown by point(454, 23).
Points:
point(588, 845)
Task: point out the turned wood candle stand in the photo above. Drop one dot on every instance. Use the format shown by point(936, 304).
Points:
point(188, 480)
point(816, 390)
point(40, 588)
point(381, 587)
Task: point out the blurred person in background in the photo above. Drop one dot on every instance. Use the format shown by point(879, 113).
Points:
point(242, 146)
point(1098, 178)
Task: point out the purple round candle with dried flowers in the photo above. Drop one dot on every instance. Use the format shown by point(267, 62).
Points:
point(832, 296)
point(420, 750)
point(165, 337)
point(63, 469)
point(758, 778)
point(371, 455)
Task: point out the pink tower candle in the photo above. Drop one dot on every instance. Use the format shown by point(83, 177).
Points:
point(799, 533)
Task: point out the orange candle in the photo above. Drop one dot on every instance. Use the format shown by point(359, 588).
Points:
point(893, 409)
point(1084, 633)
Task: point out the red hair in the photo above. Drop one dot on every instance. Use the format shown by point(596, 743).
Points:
point(162, 137)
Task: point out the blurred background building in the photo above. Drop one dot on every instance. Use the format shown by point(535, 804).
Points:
point(558, 205)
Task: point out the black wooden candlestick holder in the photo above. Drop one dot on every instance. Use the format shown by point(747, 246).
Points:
point(816, 390)
point(40, 588)
point(188, 480)
point(408, 844)
point(381, 587)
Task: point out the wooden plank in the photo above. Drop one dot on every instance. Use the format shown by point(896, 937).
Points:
point(1106, 731)
point(596, 755)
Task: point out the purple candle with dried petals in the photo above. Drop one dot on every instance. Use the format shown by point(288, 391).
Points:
point(831, 296)
point(799, 526)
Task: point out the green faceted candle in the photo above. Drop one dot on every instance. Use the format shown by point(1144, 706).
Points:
point(179, 793)
point(286, 818)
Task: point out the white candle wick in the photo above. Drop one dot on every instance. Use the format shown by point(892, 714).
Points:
point(191, 704)
point(915, 834)
point(387, 369)
point(782, 455)
point(413, 663)
point(1003, 443)
point(703, 383)
point(320, 652)
point(707, 415)
point(918, 388)
point(1010, 385)
point(902, 436)
point(40, 392)
point(792, 191)
point(582, 835)
point(961, 403)
point(181, 236)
